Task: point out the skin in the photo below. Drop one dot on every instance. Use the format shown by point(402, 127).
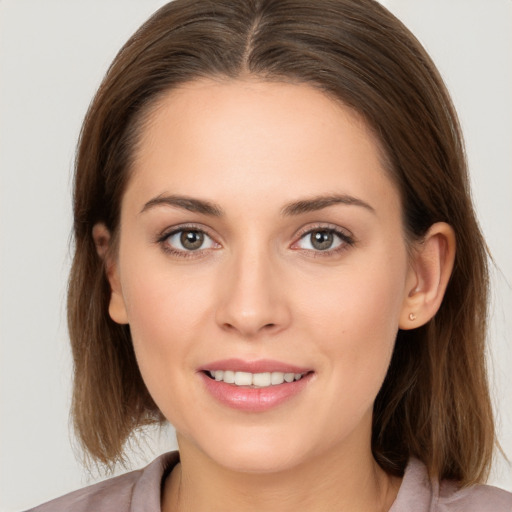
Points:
point(258, 289)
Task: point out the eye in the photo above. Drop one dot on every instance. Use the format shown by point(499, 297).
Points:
point(188, 240)
point(323, 239)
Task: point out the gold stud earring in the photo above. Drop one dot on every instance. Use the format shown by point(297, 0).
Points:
point(412, 317)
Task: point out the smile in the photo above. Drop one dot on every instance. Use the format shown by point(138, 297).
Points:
point(254, 386)
point(255, 380)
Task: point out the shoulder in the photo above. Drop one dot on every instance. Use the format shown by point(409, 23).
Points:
point(420, 494)
point(122, 493)
point(477, 498)
point(114, 492)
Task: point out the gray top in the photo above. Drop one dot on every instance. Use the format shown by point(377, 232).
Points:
point(141, 490)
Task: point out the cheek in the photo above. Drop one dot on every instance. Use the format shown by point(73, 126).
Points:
point(164, 325)
point(163, 310)
point(358, 316)
point(363, 297)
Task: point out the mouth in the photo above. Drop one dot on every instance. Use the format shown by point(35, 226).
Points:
point(254, 380)
point(255, 386)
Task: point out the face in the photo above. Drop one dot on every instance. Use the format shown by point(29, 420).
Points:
point(261, 242)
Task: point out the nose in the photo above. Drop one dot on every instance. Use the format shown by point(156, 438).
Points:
point(253, 296)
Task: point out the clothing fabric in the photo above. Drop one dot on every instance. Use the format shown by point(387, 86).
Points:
point(140, 491)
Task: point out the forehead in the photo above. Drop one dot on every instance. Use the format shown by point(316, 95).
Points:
point(255, 137)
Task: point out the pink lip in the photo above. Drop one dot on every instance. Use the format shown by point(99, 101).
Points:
point(251, 399)
point(259, 366)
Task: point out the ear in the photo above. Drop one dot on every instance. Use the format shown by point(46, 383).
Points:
point(430, 270)
point(102, 240)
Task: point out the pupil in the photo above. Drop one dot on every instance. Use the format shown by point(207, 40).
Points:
point(321, 240)
point(192, 239)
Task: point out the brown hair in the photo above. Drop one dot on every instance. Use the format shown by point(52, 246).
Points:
point(434, 403)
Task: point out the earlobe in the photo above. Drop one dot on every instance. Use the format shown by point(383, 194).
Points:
point(429, 274)
point(102, 240)
point(117, 308)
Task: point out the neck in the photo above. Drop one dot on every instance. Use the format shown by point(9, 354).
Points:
point(326, 482)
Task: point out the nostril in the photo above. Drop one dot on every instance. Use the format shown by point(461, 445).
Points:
point(265, 318)
point(249, 330)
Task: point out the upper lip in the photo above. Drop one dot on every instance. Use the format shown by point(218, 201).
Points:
point(259, 366)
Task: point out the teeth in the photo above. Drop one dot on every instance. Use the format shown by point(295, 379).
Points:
point(276, 378)
point(229, 377)
point(243, 379)
point(258, 380)
point(261, 380)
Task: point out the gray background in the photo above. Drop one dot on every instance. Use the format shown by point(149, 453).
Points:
point(53, 55)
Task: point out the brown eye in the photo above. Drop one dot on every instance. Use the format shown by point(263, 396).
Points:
point(327, 240)
point(192, 240)
point(187, 240)
point(321, 239)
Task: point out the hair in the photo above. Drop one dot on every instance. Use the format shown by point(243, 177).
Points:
point(434, 403)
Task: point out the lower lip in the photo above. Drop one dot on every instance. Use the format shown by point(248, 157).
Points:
point(254, 399)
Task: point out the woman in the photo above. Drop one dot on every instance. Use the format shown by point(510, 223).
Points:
point(277, 253)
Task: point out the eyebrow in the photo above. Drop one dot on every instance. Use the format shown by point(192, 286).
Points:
point(320, 202)
point(296, 208)
point(186, 203)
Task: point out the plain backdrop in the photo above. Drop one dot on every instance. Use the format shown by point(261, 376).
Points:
point(53, 54)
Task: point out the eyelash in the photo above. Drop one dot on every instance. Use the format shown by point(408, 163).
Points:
point(345, 239)
point(183, 253)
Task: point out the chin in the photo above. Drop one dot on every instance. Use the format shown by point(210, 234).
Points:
point(259, 460)
point(247, 452)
